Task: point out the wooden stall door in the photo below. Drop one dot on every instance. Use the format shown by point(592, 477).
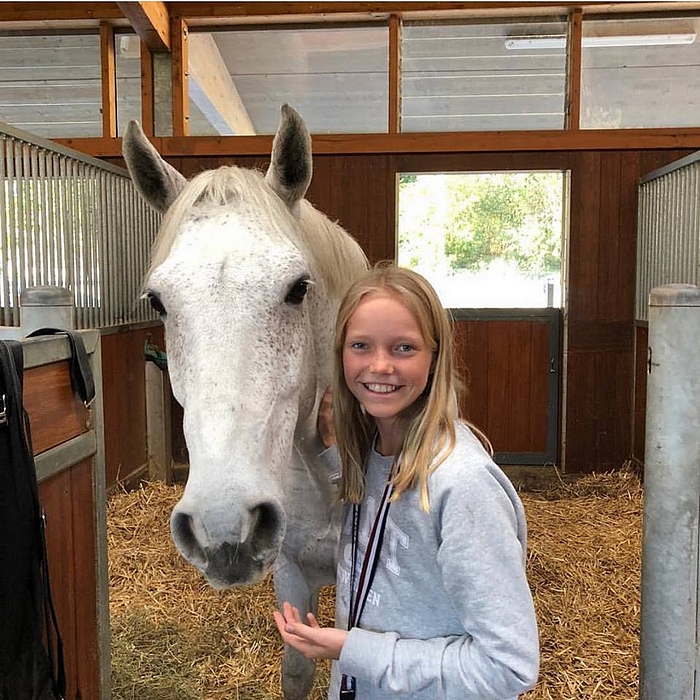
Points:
point(65, 440)
point(509, 360)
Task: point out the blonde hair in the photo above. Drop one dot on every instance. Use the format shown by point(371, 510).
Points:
point(429, 437)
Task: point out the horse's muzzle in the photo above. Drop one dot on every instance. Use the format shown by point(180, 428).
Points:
point(230, 558)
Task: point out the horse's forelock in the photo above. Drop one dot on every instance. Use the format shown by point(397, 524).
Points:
point(330, 250)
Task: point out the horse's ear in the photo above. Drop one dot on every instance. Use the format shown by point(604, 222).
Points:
point(157, 181)
point(290, 168)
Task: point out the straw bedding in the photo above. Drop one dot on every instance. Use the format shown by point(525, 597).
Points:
point(175, 638)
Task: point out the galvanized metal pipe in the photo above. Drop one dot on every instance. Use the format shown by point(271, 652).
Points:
point(14, 255)
point(4, 242)
point(43, 210)
point(91, 233)
point(669, 618)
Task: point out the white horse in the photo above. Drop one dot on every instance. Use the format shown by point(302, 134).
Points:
point(247, 277)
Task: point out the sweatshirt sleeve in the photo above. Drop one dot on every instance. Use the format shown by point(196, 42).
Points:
point(480, 558)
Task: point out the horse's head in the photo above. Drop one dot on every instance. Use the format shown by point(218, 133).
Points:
point(247, 307)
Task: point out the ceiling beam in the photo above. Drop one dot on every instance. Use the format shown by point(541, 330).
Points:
point(213, 90)
point(150, 20)
point(224, 13)
point(58, 11)
point(397, 144)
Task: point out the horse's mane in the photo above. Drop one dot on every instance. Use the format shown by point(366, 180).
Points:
point(332, 251)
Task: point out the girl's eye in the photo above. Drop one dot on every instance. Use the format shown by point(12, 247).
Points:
point(358, 346)
point(405, 347)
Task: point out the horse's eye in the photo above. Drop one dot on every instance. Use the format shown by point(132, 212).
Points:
point(297, 291)
point(156, 303)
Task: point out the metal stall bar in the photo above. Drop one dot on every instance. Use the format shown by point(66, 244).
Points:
point(14, 268)
point(42, 217)
point(6, 291)
point(668, 245)
point(73, 221)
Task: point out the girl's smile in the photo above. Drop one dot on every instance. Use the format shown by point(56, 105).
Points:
point(386, 361)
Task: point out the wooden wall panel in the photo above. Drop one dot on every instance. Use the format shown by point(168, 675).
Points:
point(471, 359)
point(85, 572)
point(600, 388)
point(641, 348)
point(504, 364)
point(56, 414)
point(124, 397)
point(600, 404)
point(67, 499)
point(355, 191)
point(339, 188)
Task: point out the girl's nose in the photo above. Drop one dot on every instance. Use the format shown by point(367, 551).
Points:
point(381, 363)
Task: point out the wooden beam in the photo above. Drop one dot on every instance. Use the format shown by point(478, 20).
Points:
point(180, 59)
point(58, 11)
point(394, 74)
point(147, 91)
point(213, 90)
point(417, 142)
point(573, 70)
point(243, 12)
point(150, 20)
point(109, 81)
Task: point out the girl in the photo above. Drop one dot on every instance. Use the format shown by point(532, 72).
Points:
point(431, 595)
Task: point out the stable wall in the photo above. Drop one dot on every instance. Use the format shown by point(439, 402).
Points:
point(598, 393)
point(124, 391)
point(598, 406)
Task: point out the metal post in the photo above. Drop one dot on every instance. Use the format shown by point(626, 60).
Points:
point(672, 497)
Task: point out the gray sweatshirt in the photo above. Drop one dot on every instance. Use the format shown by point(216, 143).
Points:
point(449, 614)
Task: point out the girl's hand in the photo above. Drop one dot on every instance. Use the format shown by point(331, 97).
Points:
point(310, 640)
point(324, 421)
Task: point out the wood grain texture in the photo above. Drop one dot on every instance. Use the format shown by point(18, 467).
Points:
point(56, 414)
point(109, 81)
point(505, 368)
point(124, 398)
point(641, 352)
point(67, 499)
point(359, 191)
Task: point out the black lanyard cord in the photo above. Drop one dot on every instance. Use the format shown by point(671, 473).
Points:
point(358, 597)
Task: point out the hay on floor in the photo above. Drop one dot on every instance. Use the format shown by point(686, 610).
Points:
point(173, 637)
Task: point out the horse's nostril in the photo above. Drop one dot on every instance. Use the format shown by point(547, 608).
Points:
point(182, 527)
point(266, 527)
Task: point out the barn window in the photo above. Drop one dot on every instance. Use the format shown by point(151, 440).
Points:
point(640, 73)
point(50, 85)
point(473, 77)
point(337, 77)
point(127, 63)
point(485, 240)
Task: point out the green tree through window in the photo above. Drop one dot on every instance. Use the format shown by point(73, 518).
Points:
point(459, 223)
